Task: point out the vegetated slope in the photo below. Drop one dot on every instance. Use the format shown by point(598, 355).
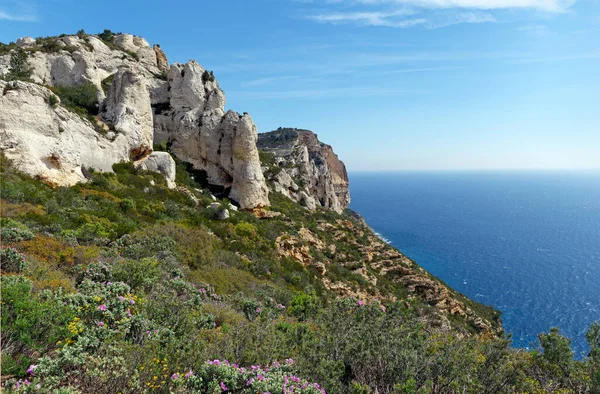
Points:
point(124, 285)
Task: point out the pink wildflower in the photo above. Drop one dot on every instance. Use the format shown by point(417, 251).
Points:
point(31, 369)
point(100, 324)
point(223, 387)
point(189, 374)
point(174, 376)
point(257, 310)
point(102, 307)
point(361, 303)
point(132, 302)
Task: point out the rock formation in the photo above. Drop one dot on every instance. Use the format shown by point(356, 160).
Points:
point(190, 116)
point(141, 100)
point(306, 170)
point(51, 142)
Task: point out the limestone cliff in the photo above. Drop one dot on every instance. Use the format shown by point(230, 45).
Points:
point(140, 100)
point(306, 170)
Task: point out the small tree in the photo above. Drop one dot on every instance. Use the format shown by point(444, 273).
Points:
point(593, 338)
point(19, 66)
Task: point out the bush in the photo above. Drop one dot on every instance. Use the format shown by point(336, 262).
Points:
point(53, 100)
point(107, 35)
point(304, 305)
point(11, 260)
point(107, 82)
point(208, 76)
point(82, 98)
point(29, 323)
point(19, 66)
point(138, 274)
point(12, 234)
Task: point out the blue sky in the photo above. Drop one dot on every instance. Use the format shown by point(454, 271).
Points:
point(391, 84)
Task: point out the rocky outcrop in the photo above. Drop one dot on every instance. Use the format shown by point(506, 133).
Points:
point(191, 118)
point(141, 101)
point(52, 143)
point(127, 109)
point(160, 162)
point(305, 169)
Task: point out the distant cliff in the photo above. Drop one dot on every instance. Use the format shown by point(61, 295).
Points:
point(305, 169)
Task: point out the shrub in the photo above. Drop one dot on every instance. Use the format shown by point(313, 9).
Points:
point(304, 305)
point(107, 82)
point(29, 323)
point(208, 76)
point(19, 66)
point(107, 35)
point(221, 376)
point(52, 100)
point(127, 204)
point(82, 98)
point(11, 260)
point(12, 234)
point(138, 274)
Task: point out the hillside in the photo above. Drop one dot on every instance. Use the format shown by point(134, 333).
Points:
point(145, 233)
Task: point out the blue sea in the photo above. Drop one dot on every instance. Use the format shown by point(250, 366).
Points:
point(527, 243)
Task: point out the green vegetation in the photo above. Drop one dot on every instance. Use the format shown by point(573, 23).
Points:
point(107, 82)
point(208, 76)
point(82, 99)
point(124, 285)
point(19, 66)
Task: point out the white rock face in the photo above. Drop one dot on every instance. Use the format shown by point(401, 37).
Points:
point(160, 162)
point(127, 108)
point(25, 42)
point(303, 160)
point(143, 104)
point(49, 142)
point(193, 121)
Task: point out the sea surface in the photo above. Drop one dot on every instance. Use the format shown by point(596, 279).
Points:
point(527, 243)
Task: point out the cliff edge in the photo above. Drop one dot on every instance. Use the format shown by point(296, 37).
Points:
point(305, 169)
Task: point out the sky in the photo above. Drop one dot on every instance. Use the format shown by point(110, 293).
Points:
point(390, 84)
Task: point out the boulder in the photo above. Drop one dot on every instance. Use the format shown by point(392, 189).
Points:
point(160, 162)
point(25, 42)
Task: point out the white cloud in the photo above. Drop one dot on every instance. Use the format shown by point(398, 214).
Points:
point(18, 11)
point(268, 80)
point(17, 18)
point(545, 5)
point(430, 14)
point(391, 19)
point(535, 30)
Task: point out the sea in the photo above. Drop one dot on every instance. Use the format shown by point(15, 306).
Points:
point(527, 243)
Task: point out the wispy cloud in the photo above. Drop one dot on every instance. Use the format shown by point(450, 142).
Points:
point(430, 14)
point(342, 92)
point(397, 18)
point(268, 80)
point(535, 30)
point(18, 11)
point(545, 5)
point(16, 17)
